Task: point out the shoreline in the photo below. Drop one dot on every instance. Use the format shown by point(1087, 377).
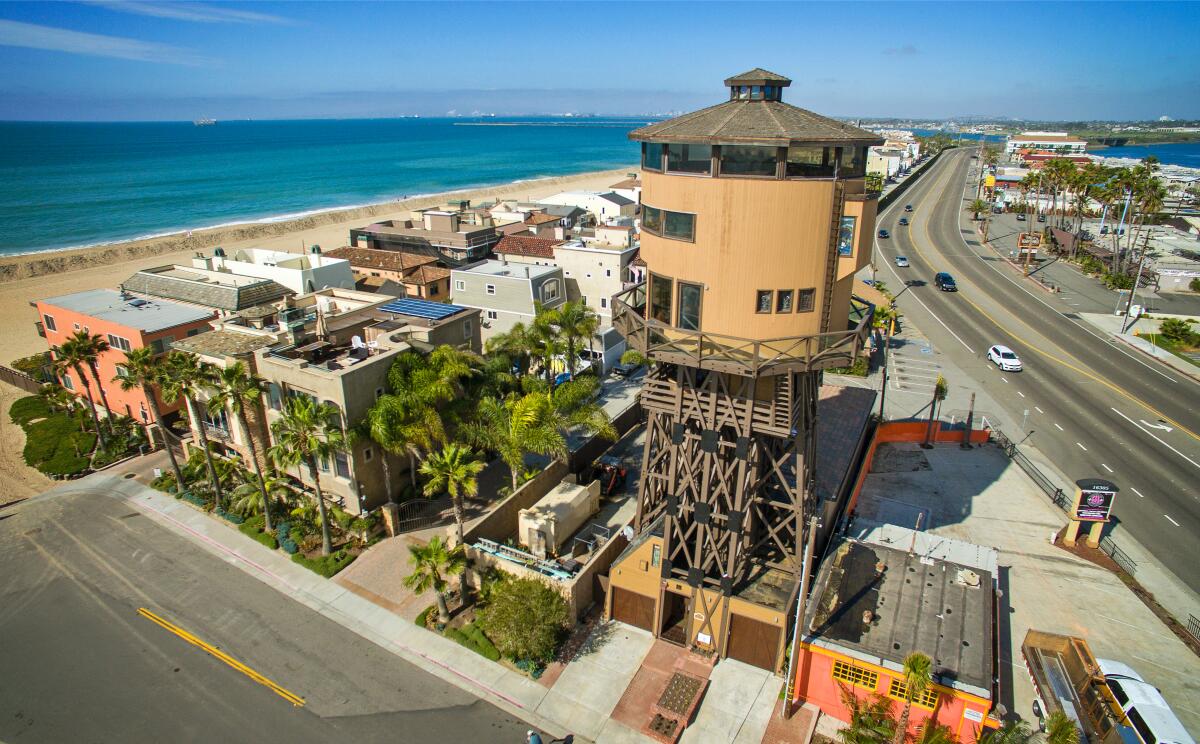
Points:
point(52, 261)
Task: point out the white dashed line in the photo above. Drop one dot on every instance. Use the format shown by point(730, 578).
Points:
point(1038, 409)
point(1082, 447)
point(1139, 493)
point(1106, 467)
point(1003, 378)
point(1172, 521)
point(1056, 426)
point(1020, 394)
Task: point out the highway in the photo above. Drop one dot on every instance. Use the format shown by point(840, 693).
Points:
point(1097, 409)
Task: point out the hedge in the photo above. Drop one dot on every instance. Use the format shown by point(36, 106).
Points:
point(51, 445)
point(479, 643)
point(326, 565)
point(27, 409)
point(282, 534)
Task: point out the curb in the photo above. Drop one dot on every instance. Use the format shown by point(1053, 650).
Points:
point(1185, 372)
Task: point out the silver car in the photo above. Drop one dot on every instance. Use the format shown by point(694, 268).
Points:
point(902, 261)
point(1004, 358)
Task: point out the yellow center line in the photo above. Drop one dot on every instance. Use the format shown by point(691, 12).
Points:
point(291, 697)
point(1032, 346)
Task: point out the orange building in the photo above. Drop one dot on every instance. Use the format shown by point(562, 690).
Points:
point(890, 592)
point(127, 323)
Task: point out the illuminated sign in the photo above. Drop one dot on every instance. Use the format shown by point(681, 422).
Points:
point(1095, 500)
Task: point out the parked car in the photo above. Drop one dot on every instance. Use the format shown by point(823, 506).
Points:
point(902, 262)
point(1020, 217)
point(1041, 218)
point(1004, 358)
point(903, 221)
point(944, 282)
point(907, 207)
point(1151, 719)
point(884, 234)
point(626, 370)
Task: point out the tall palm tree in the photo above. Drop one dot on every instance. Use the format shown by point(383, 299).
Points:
point(72, 356)
point(185, 376)
point(145, 372)
point(573, 322)
point(515, 343)
point(871, 720)
point(453, 470)
point(238, 390)
point(91, 347)
point(400, 428)
point(432, 564)
point(304, 434)
point(573, 405)
point(918, 675)
point(515, 426)
point(977, 206)
point(1060, 729)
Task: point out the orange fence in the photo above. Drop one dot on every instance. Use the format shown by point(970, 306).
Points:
point(909, 431)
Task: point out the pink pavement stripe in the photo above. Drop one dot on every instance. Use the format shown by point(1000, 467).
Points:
point(276, 576)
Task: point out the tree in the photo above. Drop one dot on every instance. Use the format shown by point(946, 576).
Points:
point(918, 675)
point(871, 720)
point(386, 424)
point(573, 405)
point(431, 565)
point(307, 432)
point(526, 619)
point(572, 323)
point(453, 470)
point(247, 499)
point(516, 426)
point(145, 370)
point(1014, 731)
point(72, 356)
point(977, 206)
point(940, 388)
point(1060, 729)
point(91, 346)
point(185, 376)
point(237, 390)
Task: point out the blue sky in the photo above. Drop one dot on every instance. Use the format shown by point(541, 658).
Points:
point(127, 60)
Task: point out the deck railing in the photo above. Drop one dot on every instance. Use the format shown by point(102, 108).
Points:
point(665, 343)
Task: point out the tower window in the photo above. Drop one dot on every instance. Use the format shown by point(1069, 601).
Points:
point(652, 153)
point(689, 158)
point(748, 160)
point(689, 306)
point(660, 298)
point(853, 162)
point(762, 301)
point(806, 300)
point(783, 301)
point(811, 162)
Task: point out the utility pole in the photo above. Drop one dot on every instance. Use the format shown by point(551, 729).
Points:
point(785, 710)
point(1137, 280)
point(966, 442)
point(887, 341)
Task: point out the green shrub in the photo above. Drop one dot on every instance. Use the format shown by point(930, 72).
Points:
point(54, 446)
point(858, 369)
point(253, 528)
point(34, 366)
point(470, 636)
point(533, 668)
point(1194, 284)
point(1179, 332)
point(229, 516)
point(526, 619)
point(283, 536)
point(24, 410)
point(326, 565)
point(195, 499)
point(423, 618)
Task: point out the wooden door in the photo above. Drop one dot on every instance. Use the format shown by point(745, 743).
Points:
point(753, 642)
point(633, 608)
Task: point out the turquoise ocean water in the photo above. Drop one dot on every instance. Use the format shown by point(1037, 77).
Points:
point(71, 184)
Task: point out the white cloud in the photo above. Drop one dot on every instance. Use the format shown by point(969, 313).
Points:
point(194, 12)
point(32, 36)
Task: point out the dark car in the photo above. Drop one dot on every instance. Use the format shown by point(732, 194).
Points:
point(1020, 217)
point(907, 207)
point(626, 370)
point(944, 282)
point(1041, 218)
point(884, 234)
point(903, 221)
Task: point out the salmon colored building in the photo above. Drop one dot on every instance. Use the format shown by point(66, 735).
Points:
point(126, 322)
point(889, 592)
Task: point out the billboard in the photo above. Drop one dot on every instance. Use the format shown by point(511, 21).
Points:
point(1095, 500)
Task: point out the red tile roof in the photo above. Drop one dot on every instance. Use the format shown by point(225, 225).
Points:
point(540, 219)
point(527, 246)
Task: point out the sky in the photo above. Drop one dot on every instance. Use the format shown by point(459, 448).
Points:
point(113, 60)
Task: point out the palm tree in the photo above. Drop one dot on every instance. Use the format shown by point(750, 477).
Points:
point(977, 206)
point(918, 675)
point(432, 564)
point(572, 322)
point(573, 405)
point(516, 343)
point(144, 370)
point(185, 376)
point(935, 733)
point(1060, 729)
point(237, 389)
point(247, 499)
point(453, 470)
point(304, 434)
point(515, 426)
point(871, 720)
point(91, 347)
point(1014, 731)
point(72, 356)
point(400, 428)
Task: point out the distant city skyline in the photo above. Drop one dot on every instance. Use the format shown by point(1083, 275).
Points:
point(113, 60)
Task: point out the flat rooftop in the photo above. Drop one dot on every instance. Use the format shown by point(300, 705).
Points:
point(223, 343)
point(880, 603)
point(147, 315)
point(512, 271)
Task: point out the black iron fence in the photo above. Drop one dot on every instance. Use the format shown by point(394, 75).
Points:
point(1193, 626)
point(420, 513)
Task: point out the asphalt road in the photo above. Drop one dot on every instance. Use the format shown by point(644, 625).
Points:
point(78, 663)
point(1096, 409)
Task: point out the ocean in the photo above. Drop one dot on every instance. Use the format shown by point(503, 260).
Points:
point(65, 185)
point(1186, 154)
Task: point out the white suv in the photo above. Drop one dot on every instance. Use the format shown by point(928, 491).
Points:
point(1143, 705)
point(1004, 358)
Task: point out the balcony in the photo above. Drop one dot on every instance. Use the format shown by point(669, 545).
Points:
point(732, 354)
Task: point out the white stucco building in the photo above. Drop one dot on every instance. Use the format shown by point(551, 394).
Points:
point(300, 272)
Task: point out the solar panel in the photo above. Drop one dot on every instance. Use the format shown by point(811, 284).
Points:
point(421, 308)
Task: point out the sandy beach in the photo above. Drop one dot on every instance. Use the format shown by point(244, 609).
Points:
point(37, 275)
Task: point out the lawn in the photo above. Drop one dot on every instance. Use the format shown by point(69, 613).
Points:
point(1175, 347)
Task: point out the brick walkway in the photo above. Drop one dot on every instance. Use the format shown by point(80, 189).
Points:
point(664, 659)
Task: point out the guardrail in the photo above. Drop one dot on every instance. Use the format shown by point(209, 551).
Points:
point(1061, 499)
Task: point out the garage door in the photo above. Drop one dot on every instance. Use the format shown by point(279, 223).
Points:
point(633, 608)
point(753, 642)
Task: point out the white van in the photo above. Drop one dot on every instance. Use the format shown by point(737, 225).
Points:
point(1148, 713)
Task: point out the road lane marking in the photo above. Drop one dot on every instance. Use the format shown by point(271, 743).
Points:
point(1038, 409)
point(1161, 427)
point(1082, 447)
point(1139, 493)
point(1020, 394)
point(1172, 521)
point(1106, 467)
point(1056, 426)
point(1150, 433)
point(291, 697)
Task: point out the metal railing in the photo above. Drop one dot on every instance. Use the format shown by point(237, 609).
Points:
point(1193, 626)
point(743, 356)
point(1120, 557)
point(420, 513)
